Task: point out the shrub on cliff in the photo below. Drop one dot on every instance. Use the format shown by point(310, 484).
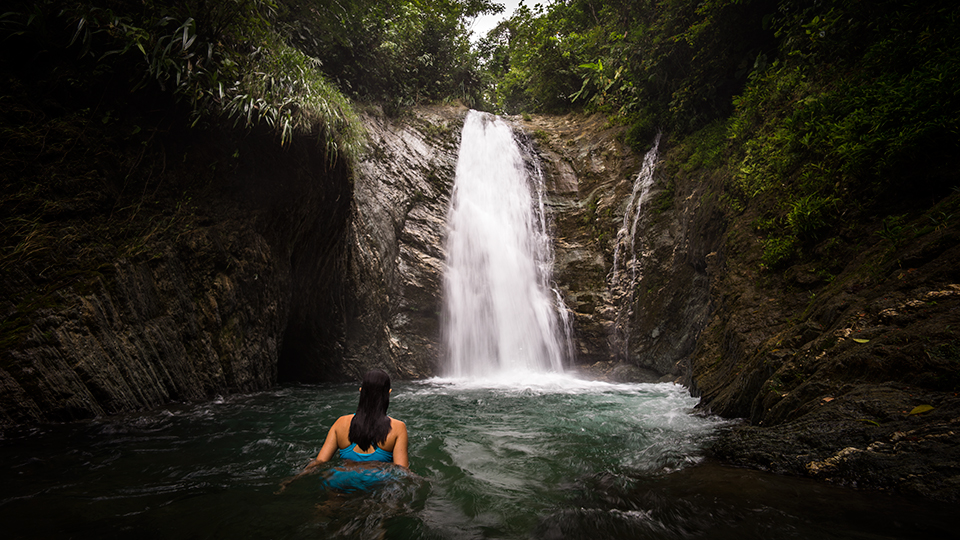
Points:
point(393, 53)
point(217, 58)
point(858, 110)
point(676, 64)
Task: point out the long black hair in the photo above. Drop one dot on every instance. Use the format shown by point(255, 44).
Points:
point(371, 425)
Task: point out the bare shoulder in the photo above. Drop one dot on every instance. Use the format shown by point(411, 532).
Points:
point(343, 423)
point(397, 424)
point(341, 430)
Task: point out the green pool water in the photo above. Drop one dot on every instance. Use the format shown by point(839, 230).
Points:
point(551, 458)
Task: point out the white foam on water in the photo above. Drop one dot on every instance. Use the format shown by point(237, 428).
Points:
point(522, 380)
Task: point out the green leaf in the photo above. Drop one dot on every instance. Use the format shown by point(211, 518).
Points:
point(920, 409)
point(186, 31)
point(858, 340)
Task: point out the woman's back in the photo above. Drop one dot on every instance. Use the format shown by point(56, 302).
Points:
point(368, 436)
point(386, 451)
point(369, 429)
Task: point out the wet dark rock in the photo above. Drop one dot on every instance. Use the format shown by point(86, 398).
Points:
point(824, 360)
point(804, 275)
point(590, 177)
point(401, 194)
point(279, 268)
point(867, 438)
point(627, 373)
point(195, 307)
point(827, 372)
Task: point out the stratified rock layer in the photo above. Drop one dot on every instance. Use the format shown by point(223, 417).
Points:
point(648, 333)
point(279, 267)
point(845, 366)
point(179, 299)
point(395, 248)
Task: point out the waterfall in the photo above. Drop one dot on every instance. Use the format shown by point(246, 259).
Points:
point(623, 282)
point(499, 315)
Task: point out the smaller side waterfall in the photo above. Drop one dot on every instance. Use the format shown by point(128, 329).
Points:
point(623, 280)
point(499, 315)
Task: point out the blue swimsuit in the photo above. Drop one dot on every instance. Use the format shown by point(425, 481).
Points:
point(378, 454)
point(351, 480)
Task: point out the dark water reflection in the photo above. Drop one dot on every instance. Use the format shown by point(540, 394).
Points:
point(508, 462)
point(711, 501)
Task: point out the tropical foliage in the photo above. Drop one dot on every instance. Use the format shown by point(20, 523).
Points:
point(828, 107)
point(811, 109)
point(286, 64)
point(672, 63)
point(395, 53)
point(215, 58)
point(859, 109)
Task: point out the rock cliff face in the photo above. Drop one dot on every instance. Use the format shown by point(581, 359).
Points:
point(283, 269)
point(276, 267)
point(187, 324)
point(279, 267)
point(641, 322)
point(180, 297)
point(393, 274)
point(845, 365)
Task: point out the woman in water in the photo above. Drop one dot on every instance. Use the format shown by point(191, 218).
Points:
point(367, 436)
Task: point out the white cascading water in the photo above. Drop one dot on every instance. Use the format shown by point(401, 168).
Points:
point(500, 317)
point(622, 283)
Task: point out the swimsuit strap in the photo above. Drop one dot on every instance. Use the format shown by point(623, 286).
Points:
point(378, 454)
